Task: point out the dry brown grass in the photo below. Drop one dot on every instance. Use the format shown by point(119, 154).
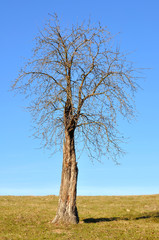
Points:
point(101, 217)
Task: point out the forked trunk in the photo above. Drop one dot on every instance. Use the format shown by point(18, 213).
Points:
point(67, 210)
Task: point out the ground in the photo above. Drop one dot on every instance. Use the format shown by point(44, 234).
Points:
point(101, 217)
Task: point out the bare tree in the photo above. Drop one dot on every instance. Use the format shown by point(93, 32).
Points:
point(78, 85)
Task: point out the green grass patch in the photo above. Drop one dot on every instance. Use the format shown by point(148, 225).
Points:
point(101, 217)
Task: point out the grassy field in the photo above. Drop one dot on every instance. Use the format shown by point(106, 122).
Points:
point(101, 217)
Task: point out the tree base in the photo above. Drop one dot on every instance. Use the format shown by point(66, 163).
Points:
point(66, 219)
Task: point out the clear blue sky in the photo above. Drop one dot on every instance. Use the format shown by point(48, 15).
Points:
point(27, 170)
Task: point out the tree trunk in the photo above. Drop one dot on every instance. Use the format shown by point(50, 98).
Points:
point(67, 210)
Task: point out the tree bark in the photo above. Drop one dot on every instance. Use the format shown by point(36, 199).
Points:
point(67, 210)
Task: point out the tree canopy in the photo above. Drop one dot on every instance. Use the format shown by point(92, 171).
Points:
point(79, 66)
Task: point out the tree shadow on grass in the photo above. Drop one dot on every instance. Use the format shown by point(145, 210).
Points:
point(148, 216)
point(96, 220)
